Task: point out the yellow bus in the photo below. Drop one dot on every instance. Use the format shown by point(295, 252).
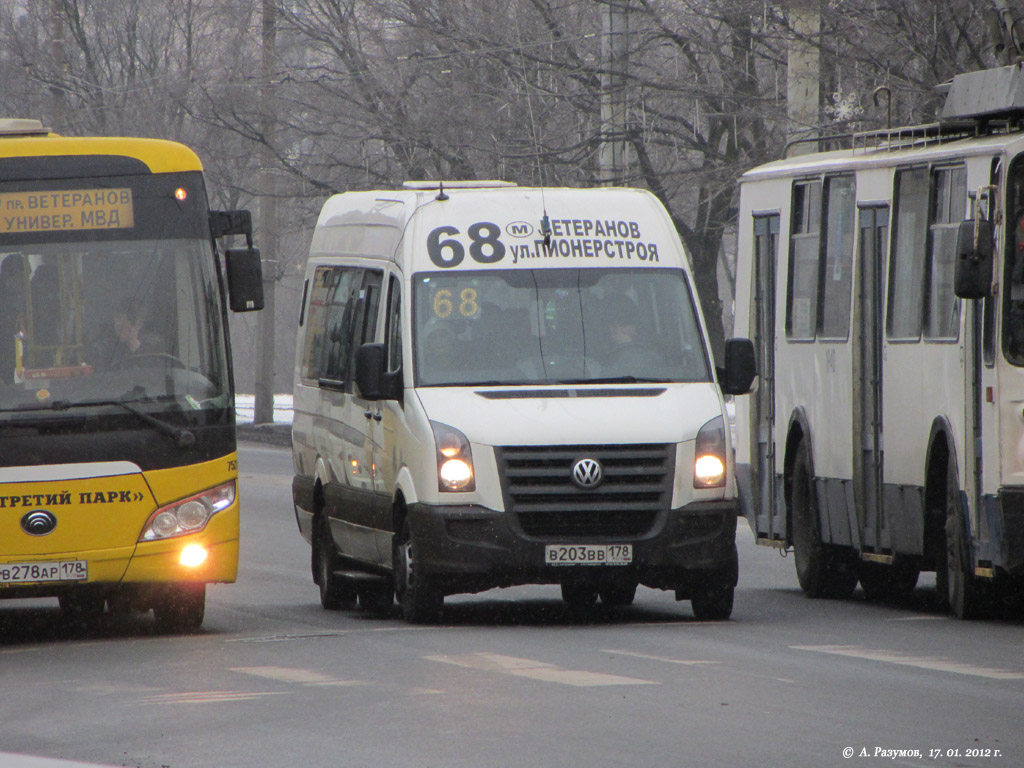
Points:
point(118, 461)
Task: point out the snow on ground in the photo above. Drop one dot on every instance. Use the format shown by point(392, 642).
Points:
point(244, 405)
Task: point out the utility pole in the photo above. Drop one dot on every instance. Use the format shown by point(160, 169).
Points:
point(612, 153)
point(268, 222)
point(59, 66)
point(803, 84)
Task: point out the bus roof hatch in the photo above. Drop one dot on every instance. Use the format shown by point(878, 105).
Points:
point(988, 93)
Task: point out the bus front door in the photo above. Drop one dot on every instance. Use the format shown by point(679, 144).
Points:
point(771, 520)
point(867, 421)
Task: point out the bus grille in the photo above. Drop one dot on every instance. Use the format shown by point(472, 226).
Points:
point(537, 482)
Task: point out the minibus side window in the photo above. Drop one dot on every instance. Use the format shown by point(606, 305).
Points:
point(393, 331)
point(328, 326)
point(365, 306)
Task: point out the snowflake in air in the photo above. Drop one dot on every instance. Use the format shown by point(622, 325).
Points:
point(843, 108)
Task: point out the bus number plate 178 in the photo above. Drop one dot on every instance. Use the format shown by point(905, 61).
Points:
point(48, 570)
point(588, 554)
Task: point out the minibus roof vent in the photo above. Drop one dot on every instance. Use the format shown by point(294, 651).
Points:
point(17, 126)
point(458, 184)
point(985, 95)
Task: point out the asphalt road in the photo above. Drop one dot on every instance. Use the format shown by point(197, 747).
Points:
point(510, 678)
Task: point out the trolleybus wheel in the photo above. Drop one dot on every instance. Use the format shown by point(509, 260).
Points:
point(421, 600)
point(822, 570)
point(967, 598)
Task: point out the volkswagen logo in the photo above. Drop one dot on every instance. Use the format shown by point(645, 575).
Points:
point(586, 473)
point(38, 522)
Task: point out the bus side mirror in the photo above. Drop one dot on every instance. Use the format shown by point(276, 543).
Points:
point(736, 377)
point(245, 279)
point(974, 255)
point(372, 378)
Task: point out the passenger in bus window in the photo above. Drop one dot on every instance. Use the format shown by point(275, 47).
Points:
point(12, 310)
point(628, 352)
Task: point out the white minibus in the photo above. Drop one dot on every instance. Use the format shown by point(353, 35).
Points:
point(498, 386)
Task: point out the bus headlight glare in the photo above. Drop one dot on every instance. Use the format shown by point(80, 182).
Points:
point(193, 556)
point(188, 515)
point(709, 466)
point(454, 459)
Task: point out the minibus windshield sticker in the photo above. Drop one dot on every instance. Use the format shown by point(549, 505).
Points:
point(66, 209)
point(484, 243)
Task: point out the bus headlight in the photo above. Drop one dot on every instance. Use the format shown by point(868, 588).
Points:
point(188, 515)
point(454, 459)
point(709, 455)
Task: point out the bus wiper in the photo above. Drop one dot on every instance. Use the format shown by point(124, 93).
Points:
point(612, 380)
point(183, 438)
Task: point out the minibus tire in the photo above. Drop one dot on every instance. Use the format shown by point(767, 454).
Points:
point(713, 602)
point(579, 596)
point(618, 595)
point(336, 593)
point(822, 570)
point(421, 600)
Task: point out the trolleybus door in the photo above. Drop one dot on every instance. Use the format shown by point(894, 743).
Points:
point(771, 523)
point(868, 448)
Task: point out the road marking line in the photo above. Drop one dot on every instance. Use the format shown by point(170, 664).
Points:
point(537, 670)
point(686, 662)
point(206, 697)
point(297, 676)
point(923, 662)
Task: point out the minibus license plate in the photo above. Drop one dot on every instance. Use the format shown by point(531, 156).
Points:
point(588, 554)
point(49, 570)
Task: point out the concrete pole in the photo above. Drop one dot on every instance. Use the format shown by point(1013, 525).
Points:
point(611, 158)
point(59, 67)
point(269, 235)
point(803, 86)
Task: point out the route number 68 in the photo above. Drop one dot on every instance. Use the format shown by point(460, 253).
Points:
point(484, 245)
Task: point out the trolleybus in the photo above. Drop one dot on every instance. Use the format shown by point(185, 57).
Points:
point(118, 461)
point(884, 287)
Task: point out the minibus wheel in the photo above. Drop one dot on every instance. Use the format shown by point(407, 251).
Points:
point(619, 594)
point(578, 596)
point(336, 593)
point(713, 602)
point(421, 600)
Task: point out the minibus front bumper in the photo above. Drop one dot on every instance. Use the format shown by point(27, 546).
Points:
point(471, 548)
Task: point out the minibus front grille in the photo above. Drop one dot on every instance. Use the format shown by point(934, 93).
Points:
point(541, 495)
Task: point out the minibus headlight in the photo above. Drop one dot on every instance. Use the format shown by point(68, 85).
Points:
point(454, 459)
point(709, 455)
point(188, 515)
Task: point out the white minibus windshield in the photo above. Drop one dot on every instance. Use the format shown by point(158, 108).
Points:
point(556, 326)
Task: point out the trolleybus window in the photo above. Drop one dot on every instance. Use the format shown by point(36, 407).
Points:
point(906, 271)
point(802, 305)
point(837, 278)
point(948, 210)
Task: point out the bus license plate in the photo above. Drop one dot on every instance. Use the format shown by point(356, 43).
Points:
point(49, 570)
point(588, 554)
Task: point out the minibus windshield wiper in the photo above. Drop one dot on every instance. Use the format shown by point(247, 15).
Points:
point(183, 438)
point(613, 380)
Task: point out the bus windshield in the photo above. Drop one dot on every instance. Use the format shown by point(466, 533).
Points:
point(556, 326)
point(110, 320)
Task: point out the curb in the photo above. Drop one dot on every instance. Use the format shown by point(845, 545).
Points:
point(268, 434)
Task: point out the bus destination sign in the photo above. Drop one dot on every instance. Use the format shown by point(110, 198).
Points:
point(66, 209)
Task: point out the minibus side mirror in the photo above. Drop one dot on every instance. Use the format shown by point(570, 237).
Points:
point(245, 279)
point(373, 381)
point(974, 256)
point(736, 377)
